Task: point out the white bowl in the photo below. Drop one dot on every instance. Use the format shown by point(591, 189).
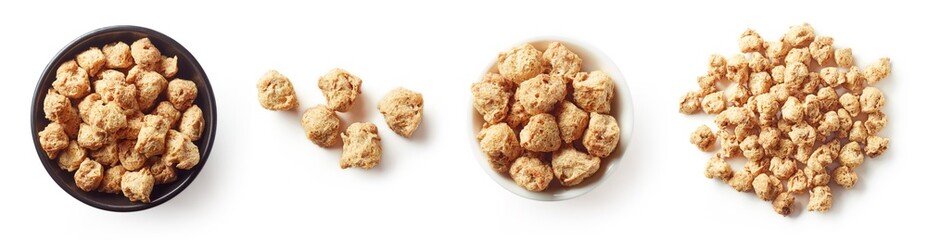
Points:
point(593, 59)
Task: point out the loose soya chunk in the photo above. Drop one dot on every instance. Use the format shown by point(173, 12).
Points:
point(361, 146)
point(275, 92)
point(340, 88)
point(402, 110)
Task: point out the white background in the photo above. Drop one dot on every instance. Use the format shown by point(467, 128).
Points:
point(264, 179)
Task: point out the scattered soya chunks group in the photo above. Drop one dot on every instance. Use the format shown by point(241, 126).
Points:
point(536, 127)
point(401, 108)
point(136, 125)
point(798, 109)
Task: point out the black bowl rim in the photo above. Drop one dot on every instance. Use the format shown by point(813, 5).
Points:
point(49, 166)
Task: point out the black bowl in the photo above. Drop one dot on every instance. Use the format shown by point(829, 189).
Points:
point(188, 68)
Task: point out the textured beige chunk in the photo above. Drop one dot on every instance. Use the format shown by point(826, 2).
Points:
point(491, 97)
point(86, 104)
point(167, 111)
point(134, 125)
point(734, 116)
point(162, 171)
point(91, 137)
point(181, 93)
point(769, 137)
point(69, 159)
point(145, 54)
point(151, 137)
point(822, 49)
point(361, 146)
point(703, 138)
point(111, 75)
point(832, 77)
point(192, 123)
point(520, 63)
point(52, 139)
point(855, 81)
point(843, 57)
point(875, 122)
point(500, 145)
point(602, 135)
point(561, 61)
point(107, 117)
point(531, 173)
point(713, 103)
point(783, 203)
point(821, 199)
point(149, 85)
point(846, 123)
point(89, 175)
point(137, 185)
point(275, 92)
point(72, 124)
point(741, 181)
point(736, 94)
point(123, 94)
point(782, 168)
point(595, 92)
point(518, 117)
point(750, 41)
point(91, 60)
point(845, 176)
point(402, 110)
point(572, 121)
point(56, 107)
point(871, 100)
point(322, 125)
point(795, 74)
point(760, 82)
point(799, 36)
point(708, 82)
point(876, 145)
point(803, 134)
point(799, 55)
point(541, 94)
point(71, 80)
point(798, 183)
point(776, 51)
point(541, 134)
point(729, 145)
point(766, 187)
point(820, 159)
point(717, 65)
point(134, 73)
point(572, 167)
point(340, 88)
point(737, 68)
point(180, 151)
point(851, 155)
point(690, 103)
point(718, 168)
point(112, 180)
point(118, 55)
point(877, 71)
point(168, 66)
point(130, 159)
point(108, 155)
point(850, 102)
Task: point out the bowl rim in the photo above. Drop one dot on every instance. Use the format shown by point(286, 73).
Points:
point(50, 69)
point(626, 131)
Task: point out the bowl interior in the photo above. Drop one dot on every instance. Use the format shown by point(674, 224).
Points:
point(621, 109)
point(188, 68)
